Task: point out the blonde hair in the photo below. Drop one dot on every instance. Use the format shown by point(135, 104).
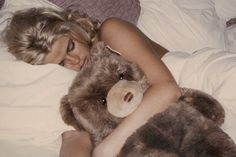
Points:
point(31, 33)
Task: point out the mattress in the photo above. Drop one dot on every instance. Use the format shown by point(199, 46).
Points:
point(194, 31)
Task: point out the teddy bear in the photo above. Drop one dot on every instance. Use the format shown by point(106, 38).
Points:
point(110, 88)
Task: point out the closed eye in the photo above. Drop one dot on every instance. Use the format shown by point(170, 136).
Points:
point(70, 45)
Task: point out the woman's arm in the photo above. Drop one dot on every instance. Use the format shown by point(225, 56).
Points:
point(75, 144)
point(136, 47)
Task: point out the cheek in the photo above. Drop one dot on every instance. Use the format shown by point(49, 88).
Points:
point(54, 57)
point(82, 50)
point(85, 51)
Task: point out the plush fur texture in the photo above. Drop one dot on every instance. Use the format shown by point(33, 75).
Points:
point(188, 128)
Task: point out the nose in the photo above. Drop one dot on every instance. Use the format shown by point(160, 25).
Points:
point(128, 97)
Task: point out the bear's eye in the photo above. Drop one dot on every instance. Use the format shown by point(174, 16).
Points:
point(103, 101)
point(121, 76)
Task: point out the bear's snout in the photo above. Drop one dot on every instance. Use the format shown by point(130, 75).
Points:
point(124, 97)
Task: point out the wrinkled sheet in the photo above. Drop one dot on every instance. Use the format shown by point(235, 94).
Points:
point(188, 25)
point(212, 71)
point(30, 122)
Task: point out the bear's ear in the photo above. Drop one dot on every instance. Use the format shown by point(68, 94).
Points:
point(67, 113)
point(205, 104)
point(99, 49)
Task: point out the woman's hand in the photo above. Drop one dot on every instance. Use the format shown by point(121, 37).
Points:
point(75, 144)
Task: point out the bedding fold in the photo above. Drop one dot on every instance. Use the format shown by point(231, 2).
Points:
point(212, 71)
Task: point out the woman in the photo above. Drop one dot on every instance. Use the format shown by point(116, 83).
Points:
point(42, 35)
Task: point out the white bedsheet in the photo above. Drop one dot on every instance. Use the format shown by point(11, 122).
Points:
point(30, 101)
point(182, 25)
point(212, 71)
point(30, 123)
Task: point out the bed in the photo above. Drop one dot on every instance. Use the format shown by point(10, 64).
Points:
point(202, 56)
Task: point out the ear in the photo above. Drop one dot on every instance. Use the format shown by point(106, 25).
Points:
point(205, 104)
point(98, 49)
point(67, 114)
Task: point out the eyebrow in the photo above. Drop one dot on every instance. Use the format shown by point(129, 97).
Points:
point(66, 52)
point(68, 42)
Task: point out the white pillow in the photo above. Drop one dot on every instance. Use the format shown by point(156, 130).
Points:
point(9, 7)
point(30, 94)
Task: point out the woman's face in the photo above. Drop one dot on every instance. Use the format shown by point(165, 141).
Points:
point(69, 53)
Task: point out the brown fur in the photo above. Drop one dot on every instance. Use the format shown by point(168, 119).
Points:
point(188, 128)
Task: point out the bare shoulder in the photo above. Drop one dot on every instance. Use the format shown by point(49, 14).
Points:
point(135, 46)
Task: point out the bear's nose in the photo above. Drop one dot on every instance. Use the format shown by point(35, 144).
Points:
point(128, 97)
